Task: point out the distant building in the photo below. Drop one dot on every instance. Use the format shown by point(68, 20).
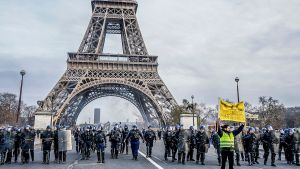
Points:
point(97, 112)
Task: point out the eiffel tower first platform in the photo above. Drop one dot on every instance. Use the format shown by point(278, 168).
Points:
point(92, 74)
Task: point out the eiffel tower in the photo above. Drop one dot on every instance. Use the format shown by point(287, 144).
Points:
point(92, 74)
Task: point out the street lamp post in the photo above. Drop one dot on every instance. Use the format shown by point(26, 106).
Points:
point(237, 88)
point(20, 96)
point(193, 110)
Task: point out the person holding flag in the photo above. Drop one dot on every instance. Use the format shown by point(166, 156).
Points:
point(227, 143)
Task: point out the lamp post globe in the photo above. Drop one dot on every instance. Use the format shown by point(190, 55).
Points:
point(22, 72)
point(237, 79)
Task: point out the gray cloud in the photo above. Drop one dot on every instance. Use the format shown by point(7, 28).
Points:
point(202, 45)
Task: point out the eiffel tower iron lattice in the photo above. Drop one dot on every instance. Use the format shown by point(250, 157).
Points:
point(92, 74)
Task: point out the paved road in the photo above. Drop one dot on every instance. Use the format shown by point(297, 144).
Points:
point(125, 162)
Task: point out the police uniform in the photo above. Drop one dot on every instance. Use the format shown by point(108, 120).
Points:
point(297, 146)
point(26, 141)
point(249, 143)
point(289, 141)
point(2, 147)
point(47, 140)
point(216, 143)
point(149, 138)
point(115, 139)
point(125, 142)
point(87, 139)
point(134, 136)
point(17, 145)
point(268, 139)
point(9, 144)
point(174, 145)
point(167, 138)
point(190, 155)
point(182, 145)
point(201, 145)
point(100, 141)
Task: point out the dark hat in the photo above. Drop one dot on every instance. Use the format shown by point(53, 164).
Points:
point(225, 126)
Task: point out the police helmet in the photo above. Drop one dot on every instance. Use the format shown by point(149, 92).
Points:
point(269, 128)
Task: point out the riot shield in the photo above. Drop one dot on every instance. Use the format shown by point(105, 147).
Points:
point(64, 140)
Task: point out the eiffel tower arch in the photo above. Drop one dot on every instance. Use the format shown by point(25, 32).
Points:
point(92, 74)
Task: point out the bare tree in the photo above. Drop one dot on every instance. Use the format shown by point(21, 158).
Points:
point(271, 112)
point(8, 108)
point(27, 115)
point(206, 114)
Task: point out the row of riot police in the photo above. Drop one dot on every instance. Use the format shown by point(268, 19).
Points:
point(89, 140)
point(183, 143)
point(15, 141)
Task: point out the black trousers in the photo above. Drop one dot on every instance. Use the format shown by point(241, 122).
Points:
point(167, 150)
point(190, 154)
point(227, 154)
point(16, 152)
point(62, 155)
point(32, 154)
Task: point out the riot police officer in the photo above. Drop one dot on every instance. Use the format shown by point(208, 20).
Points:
point(281, 143)
point(2, 146)
point(17, 144)
point(297, 146)
point(32, 139)
point(190, 155)
point(201, 145)
point(134, 136)
point(47, 139)
point(289, 142)
point(174, 145)
point(268, 139)
point(62, 150)
point(125, 142)
point(216, 143)
point(115, 139)
point(159, 133)
point(237, 146)
point(100, 142)
point(55, 143)
point(87, 139)
point(149, 136)
point(167, 138)
point(183, 141)
point(257, 144)
point(249, 140)
point(77, 138)
point(9, 144)
point(26, 141)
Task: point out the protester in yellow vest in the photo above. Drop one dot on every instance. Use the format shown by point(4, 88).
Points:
point(227, 143)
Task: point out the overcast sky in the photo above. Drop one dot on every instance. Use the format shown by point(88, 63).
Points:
point(202, 46)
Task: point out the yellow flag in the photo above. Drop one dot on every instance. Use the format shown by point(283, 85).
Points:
point(232, 112)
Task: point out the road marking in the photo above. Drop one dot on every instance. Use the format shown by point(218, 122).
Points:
point(159, 160)
point(151, 161)
point(71, 166)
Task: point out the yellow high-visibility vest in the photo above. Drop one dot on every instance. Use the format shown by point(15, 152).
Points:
point(227, 140)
